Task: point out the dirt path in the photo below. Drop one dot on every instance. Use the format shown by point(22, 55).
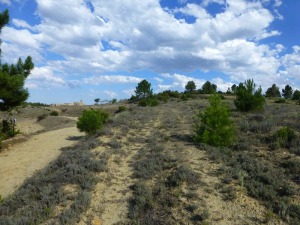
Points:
point(111, 195)
point(24, 159)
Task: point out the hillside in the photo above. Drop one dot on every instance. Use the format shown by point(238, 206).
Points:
point(144, 168)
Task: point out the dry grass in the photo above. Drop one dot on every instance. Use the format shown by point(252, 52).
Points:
point(145, 165)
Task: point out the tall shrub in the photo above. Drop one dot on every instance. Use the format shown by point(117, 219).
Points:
point(92, 120)
point(248, 98)
point(214, 125)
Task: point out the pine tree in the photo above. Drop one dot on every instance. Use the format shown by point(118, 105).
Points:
point(190, 86)
point(287, 92)
point(215, 126)
point(143, 90)
point(12, 77)
point(248, 98)
point(273, 92)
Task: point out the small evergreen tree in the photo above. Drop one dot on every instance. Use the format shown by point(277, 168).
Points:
point(215, 126)
point(4, 19)
point(296, 95)
point(92, 120)
point(12, 77)
point(190, 86)
point(208, 88)
point(248, 98)
point(233, 88)
point(287, 92)
point(97, 100)
point(143, 90)
point(273, 92)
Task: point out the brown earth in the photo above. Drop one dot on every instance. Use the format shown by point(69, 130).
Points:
point(19, 161)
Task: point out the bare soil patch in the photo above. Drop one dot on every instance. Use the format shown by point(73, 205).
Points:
point(22, 160)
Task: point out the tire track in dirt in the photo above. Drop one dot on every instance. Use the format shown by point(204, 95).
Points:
point(111, 195)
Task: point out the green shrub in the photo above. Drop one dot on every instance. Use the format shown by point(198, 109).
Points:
point(284, 137)
point(92, 120)
point(163, 97)
point(184, 97)
point(292, 168)
point(215, 127)
point(248, 98)
point(7, 129)
point(54, 113)
point(121, 108)
point(150, 101)
point(173, 94)
point(280, 100)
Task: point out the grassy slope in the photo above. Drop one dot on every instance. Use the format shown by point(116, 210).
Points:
point(145, 166)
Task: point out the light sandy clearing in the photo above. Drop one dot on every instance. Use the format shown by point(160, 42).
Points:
point(24, 159)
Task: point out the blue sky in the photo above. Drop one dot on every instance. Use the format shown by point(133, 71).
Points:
point(87, 49)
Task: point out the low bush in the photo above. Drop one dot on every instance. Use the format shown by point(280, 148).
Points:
point(184, 97)
point(292, 168)
point(260, 127)
point(150, 101)
point(163, 97)
point(54, 113)
point(170, 94)
point(280, 100)
point(7, 129)
point(92, 120)
point(154, 163)
point(121, 108)
point(229, 193)
point(181, 175)
point(283, 138)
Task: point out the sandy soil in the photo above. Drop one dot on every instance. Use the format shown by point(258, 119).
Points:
point(109, 203)
point(23, 159)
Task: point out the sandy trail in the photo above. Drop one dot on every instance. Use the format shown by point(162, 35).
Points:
point(22, 160)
